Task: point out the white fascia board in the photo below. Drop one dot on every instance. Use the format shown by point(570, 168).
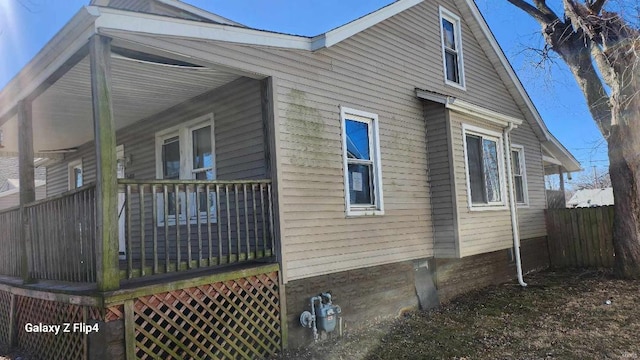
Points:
point(346, 31)
point(161, 25)
point(467, 108)
point(560, 153)
point(48, 60)
point(507, 66)
point(197, 11)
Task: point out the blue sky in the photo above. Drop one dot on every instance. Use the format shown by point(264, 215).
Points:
point(26, 26)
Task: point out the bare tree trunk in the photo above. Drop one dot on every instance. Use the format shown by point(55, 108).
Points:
point(585, 36)
point(624, 169)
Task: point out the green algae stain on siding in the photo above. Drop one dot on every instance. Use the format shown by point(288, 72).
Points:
point(306, 129)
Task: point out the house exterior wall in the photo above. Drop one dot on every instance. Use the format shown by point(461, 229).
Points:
point(456, 227)
point(480, 231)
point(133, 5)
point(239, 137)
point(531, 221)
point(490, 230)
point(454, 277)
point(376, 71)
point(442, 182)
point(378, 292)
point(13, 199)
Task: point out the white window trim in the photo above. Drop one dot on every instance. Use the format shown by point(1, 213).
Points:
point(183, 131)
point(523, 166)
point(455, 20)
point(497, 137)
point(374, 141)
point(70, 173)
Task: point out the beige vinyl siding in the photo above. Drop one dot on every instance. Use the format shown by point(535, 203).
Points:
point(490, 230)
point(319, 239)
point(133, 5)
point(58, 174)
point(238, 130)
point(441, 180)
point(479, 231)
point(374, 71)
point(531, 221)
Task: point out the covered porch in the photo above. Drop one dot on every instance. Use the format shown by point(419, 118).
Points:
point(160, 224)
point(557, 161)
point(157, 164)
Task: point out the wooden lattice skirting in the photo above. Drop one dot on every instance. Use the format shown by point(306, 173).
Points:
point(235, 319)
point(71, 345)
point(5, 316)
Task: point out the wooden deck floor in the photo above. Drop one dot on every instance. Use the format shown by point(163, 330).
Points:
point(56, 288)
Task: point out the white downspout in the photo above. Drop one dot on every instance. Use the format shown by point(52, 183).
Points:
point(512, 203)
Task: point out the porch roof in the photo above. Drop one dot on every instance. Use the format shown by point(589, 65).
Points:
point(64, 53)
point(556, 157)
point(141, 87)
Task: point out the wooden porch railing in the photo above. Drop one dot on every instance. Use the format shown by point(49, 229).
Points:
point(10, 242)
point(63, 232)
point(165, 226)
point(175, 225)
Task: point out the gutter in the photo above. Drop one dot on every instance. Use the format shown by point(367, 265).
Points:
point(506, 133)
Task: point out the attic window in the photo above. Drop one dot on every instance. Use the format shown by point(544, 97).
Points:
point(451, 48)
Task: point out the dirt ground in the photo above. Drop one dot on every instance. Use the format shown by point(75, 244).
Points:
point(560, 315)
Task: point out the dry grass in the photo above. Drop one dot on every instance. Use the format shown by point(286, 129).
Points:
point(558, 316)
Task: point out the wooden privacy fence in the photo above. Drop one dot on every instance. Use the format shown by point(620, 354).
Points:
point(580, 237)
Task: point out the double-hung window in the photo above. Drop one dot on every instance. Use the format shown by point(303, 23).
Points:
point(187, 152)
point(519, 174)
point(451, 48)
point(484, 158)
point(361, 157)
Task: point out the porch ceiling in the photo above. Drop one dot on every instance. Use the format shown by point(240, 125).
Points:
point(62, 115)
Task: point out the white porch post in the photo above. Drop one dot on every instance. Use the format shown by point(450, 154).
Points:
point(108, 275)
point(27, 183)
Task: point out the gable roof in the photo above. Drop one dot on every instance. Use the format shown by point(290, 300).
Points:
point(515, 87)
point(90, 19)
point(134, 5)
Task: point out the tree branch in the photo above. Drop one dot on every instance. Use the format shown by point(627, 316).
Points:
point(531, 10)
point(595, 6)
point(574, 47)
point(542, 6)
